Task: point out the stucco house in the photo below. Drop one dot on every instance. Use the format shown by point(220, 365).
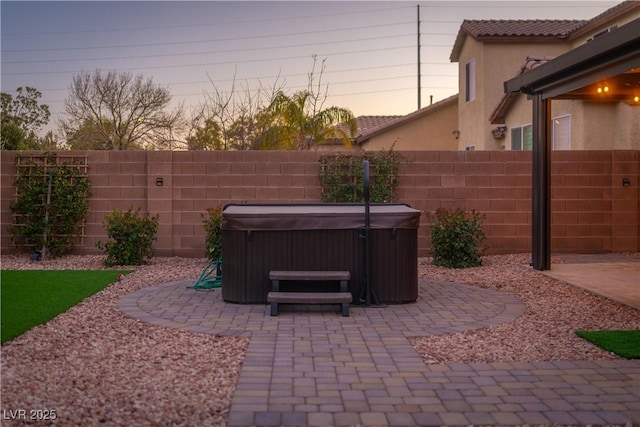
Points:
point(429, 128)
point(482, 117)
point(489, 52)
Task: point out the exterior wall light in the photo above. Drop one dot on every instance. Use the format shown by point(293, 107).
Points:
point(499, 132)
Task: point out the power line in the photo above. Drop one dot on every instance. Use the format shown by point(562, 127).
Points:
point(329, 84)
point(208, 52)
point(283, 76)
point(252, 21)
point(261, 37)
point(157, 67)
point(288, 40)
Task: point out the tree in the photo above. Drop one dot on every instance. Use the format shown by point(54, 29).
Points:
point(299, 123)
point(267, 118)
point(207, 137)
point(88, 137)
point(238, 114)
point(50, 142)
point(127, 112)
point(21, 118)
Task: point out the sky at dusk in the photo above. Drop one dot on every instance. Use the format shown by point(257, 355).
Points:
point(369, 47)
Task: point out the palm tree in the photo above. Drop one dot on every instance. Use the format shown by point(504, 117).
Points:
point(297, 123)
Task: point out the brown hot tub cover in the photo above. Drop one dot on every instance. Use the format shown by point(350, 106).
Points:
point(318, 217)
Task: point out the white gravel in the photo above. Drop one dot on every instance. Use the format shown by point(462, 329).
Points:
point(93, 363)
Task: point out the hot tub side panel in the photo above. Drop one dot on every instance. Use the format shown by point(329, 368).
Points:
point(394, 265)
point(247, 259)
point(249, 256)
point(326, 250)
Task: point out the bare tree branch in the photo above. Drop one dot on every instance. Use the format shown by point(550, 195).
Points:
point(126, 111)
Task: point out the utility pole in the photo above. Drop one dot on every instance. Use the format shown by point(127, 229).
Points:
point(419, 77)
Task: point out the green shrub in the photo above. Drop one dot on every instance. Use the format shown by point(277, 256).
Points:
point(53, 226)
point(213, 229)
point(131, 237)
point(456, 238)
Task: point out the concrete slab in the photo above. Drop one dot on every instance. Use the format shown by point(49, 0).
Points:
point(614, 276)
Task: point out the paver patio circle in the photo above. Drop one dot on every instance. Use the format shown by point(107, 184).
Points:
point(314, 367)
point(441, 308)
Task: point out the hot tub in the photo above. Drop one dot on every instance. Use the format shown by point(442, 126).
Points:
point(258, 238)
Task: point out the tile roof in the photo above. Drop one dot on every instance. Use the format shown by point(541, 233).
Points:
point(496, 29)
point(368, 123)
point(521, 28)
point(548, 29)
point(364, 125)
point(608, 15)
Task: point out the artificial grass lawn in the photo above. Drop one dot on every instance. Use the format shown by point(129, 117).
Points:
point(623, 343)
point(32, 297)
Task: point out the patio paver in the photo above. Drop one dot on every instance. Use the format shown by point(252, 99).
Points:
point(311, 366)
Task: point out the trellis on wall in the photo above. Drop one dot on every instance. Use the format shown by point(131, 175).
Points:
point(51, 202)
point(341, 176)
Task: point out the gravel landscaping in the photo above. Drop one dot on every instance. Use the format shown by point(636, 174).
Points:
point(93, 363)
point(545, 332)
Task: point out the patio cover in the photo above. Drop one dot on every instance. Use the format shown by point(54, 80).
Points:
point(614, 56)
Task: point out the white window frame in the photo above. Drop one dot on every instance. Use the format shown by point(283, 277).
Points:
point(522, 132)
point(553, 127)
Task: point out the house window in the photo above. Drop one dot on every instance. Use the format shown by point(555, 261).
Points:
point(561, 126)
point(522, 138)
point(470, 80)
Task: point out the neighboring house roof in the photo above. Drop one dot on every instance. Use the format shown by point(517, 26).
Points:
point(368, 123)
point(610, 14)
point(369, 133)
point(513, 30)
point(498, 114)
point(364, 124)
point(539, 30)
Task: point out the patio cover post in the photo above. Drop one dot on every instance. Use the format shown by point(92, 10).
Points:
point(541, 183)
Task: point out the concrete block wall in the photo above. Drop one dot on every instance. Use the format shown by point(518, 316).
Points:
point(591, 209)
point(496, 184)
